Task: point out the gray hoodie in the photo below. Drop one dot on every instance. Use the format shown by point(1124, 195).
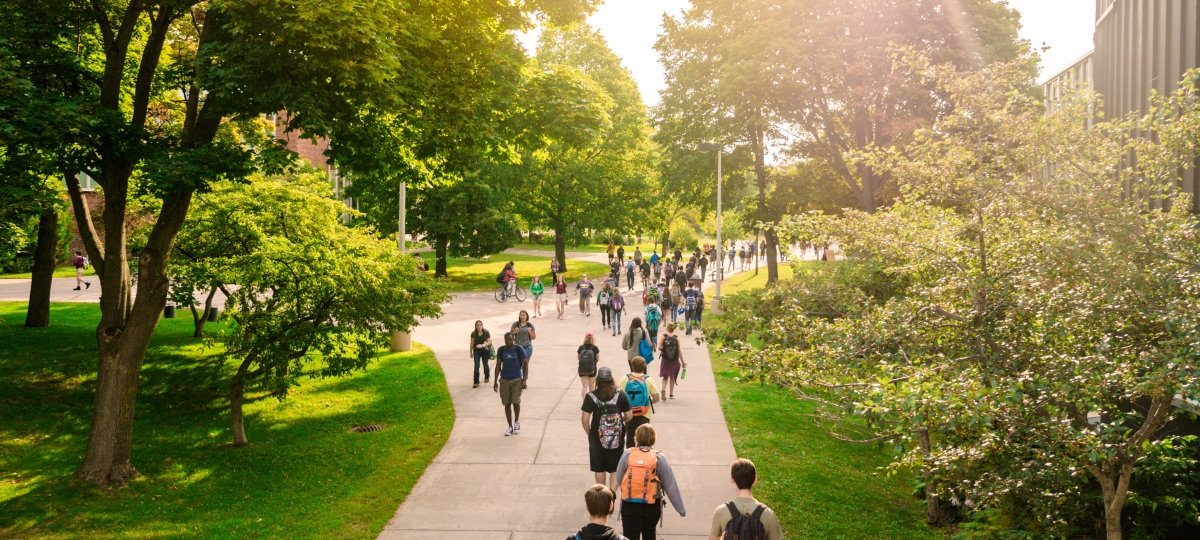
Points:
point(666, 479)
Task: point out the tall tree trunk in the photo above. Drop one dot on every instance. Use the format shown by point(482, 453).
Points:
point(560, 248)
point(237, 393)
point(440, 246)
point(37, 314)
point(870, 188)
point(198, 321)
point(125, 329)
point(666, 237)
point(1114, 483)
point(760, 173)
point(933, 514)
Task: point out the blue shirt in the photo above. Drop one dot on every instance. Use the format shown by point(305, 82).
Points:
point(654, 258)
point(511, 359)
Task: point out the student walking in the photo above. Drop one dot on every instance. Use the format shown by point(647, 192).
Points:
point(676, 302)
point(511, 369)
point(629, 269)
point(645, 474)
point(536, 289)
point(744, 516)
point(560, 295)
point(588, 356)
point(603, 299)
point(731, 253)
point(637, 342)
point(643, 394)
point(584, 289)
point(605, 412)
point(554, 266)
point(653, 320)
point(481, 352)
point(692, 298)
point(600, 501)
point(523, 336)
point(617, 304)
point(672, 361)
point(80, 262)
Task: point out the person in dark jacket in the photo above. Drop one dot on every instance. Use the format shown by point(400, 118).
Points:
point(600, 502)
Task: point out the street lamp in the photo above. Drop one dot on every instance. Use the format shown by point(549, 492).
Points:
point(401, 341)
point(709, 147)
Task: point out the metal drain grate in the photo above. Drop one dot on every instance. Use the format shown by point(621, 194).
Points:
point(367, 428)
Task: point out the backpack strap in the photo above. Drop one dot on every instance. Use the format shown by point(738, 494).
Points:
point(758, 512)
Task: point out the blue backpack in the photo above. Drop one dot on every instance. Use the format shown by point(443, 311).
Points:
point(639, 394)
point(653, 317)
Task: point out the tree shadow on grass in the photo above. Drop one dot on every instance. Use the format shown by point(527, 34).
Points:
point(302, 463)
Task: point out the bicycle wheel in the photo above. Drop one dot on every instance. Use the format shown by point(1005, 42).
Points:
point(520, 294)
point(500, 296)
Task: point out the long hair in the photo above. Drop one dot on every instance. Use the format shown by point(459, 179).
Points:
point(636, 323)
point(479, 328)
point(605, 390)
point(524, 314)
point(589, 339)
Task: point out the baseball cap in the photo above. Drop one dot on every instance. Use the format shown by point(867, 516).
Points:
point(604, 375)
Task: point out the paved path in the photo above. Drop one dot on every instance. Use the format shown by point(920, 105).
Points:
point(530, 486)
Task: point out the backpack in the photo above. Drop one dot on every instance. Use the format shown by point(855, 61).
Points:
point(617, 302)
point(669, 271)
point(500, 277)
point(629, 267)
point(689, 300)
point(645, 350)
point(587, 361)
point(641, 483)
point(603, 297)
point(610, 424)
point(653, 317)
point(745, 526)
point(670, 348)
point(639, 394)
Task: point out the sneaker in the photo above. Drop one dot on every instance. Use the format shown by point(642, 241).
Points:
point(476, 385)
point(508, 431)
point(75, 289)
point(87, 284)
point(517, 426)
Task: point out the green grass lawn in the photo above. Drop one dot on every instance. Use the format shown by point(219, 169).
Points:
point(303, 475)
point(819, 486)
point(477, 275)
point(581, 248)
point(61, 271)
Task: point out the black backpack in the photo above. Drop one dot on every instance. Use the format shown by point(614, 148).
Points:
point(670, 348)
point(500, 277)
point(745, 526)
point(587, 360)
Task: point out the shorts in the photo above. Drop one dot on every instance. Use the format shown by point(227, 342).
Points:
point(592, 374)
point(603, 459)
point(510, 391)
point(561, 297)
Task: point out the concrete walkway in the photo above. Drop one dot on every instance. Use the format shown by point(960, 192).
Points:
point(484, 485)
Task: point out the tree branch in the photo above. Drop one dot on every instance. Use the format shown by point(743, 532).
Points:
point(149, 64)
point(83, 222)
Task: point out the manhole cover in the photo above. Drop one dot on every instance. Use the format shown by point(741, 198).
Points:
point(368, 428)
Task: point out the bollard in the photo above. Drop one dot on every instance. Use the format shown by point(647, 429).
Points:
point(401, 341)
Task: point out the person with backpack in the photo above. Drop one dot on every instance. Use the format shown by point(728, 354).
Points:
point(692, 298)
point(80, 262)
point(645, 474)
point(637, 342)
point(644, 268)
point(523, 336)
point(672, 361)
point(584, 289)
point(616, 303)
point(588, 356)
point(600, 501)
point(637, 256)
point(508, 277)
point(681, 278)
point(676, 303)
point(621, 253)
point(654, 262)
point(481, 352)
point(703, 264)
point(653, 320)
point(603, 299)
point(605, 412)
point(744, 517)
point(554, 269)
point(642, 393)
point(629, 270)
point(511, 368)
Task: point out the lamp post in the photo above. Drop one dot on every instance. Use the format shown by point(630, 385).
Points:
point(401, 341)
point(708, 147)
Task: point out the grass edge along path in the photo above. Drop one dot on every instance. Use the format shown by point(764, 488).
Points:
point(475, 275)
point(819, 487)
point(302, 476)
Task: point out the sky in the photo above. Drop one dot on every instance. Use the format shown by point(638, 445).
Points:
point(631, 26)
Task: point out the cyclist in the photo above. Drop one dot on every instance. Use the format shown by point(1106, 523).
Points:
point(510, 279)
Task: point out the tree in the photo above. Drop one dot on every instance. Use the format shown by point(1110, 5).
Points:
point(586, 153)
point(165, 78)
point(1018, 321)
point(302, 287)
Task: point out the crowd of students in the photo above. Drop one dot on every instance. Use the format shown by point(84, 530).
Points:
point(616, 414)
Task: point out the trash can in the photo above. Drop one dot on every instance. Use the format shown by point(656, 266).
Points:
point(169, 312)
point(212, 314)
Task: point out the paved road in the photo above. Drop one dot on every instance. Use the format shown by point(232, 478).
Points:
point(484, 485)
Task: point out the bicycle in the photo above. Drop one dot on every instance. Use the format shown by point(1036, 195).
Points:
point(502, 294)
